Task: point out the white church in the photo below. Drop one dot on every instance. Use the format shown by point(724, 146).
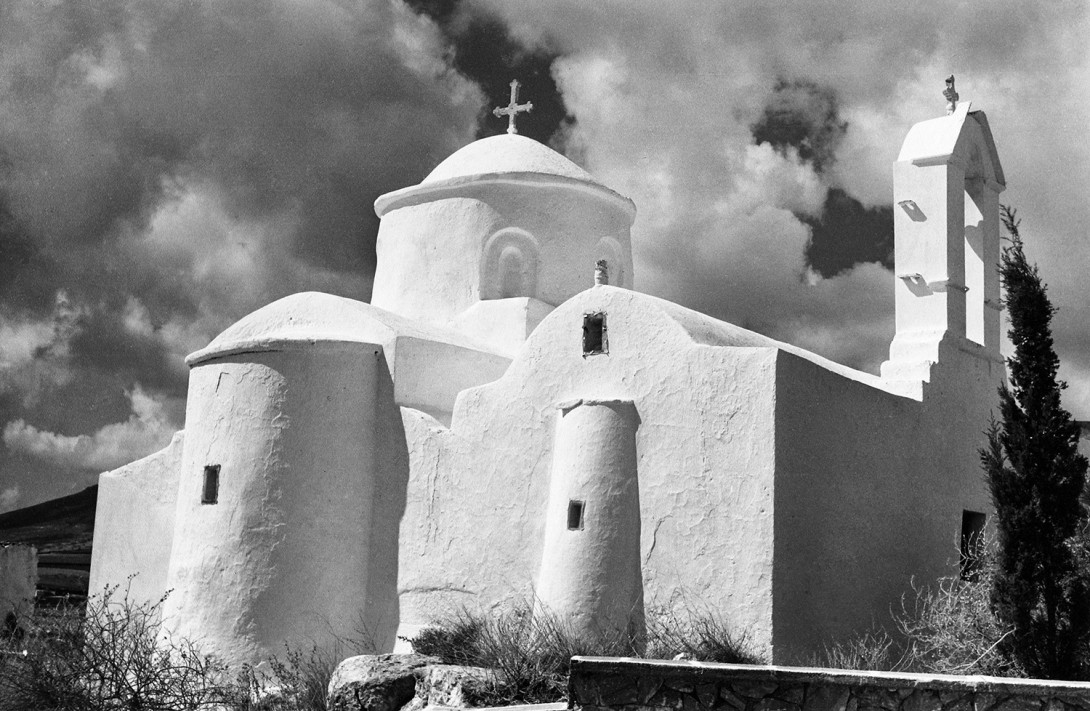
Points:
point(508, 420)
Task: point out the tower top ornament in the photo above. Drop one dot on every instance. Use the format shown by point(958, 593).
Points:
point(951, 95)
point(514, 108)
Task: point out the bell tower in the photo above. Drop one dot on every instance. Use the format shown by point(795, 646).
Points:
point(946, 185)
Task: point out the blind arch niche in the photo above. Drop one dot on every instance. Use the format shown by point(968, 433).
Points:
point(509, 265)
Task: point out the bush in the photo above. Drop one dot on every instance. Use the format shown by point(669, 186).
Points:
point(947, 628)
point(531, 652)
point(115, 655)
point(110, 656)
point(950, 629)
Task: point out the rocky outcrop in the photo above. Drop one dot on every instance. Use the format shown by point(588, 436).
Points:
point(448, 686)
point(382, 682)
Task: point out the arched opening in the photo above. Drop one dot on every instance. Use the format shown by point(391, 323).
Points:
point(509, 266)
point(974, 261)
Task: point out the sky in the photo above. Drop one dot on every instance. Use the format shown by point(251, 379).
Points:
point(167, 167)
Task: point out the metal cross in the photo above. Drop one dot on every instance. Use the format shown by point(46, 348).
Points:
point(512, 109)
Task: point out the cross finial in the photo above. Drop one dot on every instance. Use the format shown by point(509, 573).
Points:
point(951, 95)
point(514, 108)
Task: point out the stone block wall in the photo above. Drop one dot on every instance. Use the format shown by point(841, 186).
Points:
point(18, 580)
point(601, 684)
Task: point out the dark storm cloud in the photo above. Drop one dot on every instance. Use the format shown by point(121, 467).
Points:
point(847, 233)
point(803, 117)
point(168, 167)
point(666, 96)
point(288, 114)
point(483, 49)
point(25, 266)
point(102, 343)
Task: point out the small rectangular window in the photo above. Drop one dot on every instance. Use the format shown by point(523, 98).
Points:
point(575, 515)
point(210, 493)
point(972, 543)
point(594, 334)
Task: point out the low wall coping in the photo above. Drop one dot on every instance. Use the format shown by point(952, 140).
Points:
point(556, 706)
point(710, 671)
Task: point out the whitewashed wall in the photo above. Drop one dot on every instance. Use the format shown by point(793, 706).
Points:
point(134, 526)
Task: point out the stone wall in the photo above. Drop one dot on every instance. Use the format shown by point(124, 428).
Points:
point(642, 685)
point(18, 580)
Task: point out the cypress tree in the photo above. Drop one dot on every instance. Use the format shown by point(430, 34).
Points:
point(1041, 588)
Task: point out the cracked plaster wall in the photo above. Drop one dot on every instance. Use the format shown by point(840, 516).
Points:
point(590, 573)
point(474, 524)
point(312, 473)
point(796, 499)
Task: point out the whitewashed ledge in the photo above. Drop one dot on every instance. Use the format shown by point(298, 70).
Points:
point(557, 706)
point(621, 684)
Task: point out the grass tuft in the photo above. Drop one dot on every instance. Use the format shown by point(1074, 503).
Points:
point(531, 650)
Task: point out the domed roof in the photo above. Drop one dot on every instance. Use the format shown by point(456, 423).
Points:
point(506, 153)
point(508, 158)
point(313, 317)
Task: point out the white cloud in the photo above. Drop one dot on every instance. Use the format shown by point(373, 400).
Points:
point(21, 339)
point(34, 353)
point(9, 498)
point(147, 429)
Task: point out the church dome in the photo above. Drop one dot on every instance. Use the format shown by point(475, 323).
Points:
point(507, 158)
point(313, 317)
point(504, 154)
point(302, 317)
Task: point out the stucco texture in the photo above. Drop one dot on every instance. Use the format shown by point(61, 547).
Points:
point(286, 549)
point(134, 525)
point(385, 464)
point(702, 451)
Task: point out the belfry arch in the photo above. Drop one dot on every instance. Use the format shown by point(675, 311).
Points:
point(946, 185)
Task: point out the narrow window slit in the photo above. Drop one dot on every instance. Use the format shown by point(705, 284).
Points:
point(972, 543)
point(210, 493)
point(575, 515)
point(594, 334)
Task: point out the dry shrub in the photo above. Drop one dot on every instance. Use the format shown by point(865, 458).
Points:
point(950, 629)
point(947, 628)
point(530, 654)
point(531, 650)
point(113, 655)
point(299, 679)
point(873, 650)
point(116, 655)
point(696, 633)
